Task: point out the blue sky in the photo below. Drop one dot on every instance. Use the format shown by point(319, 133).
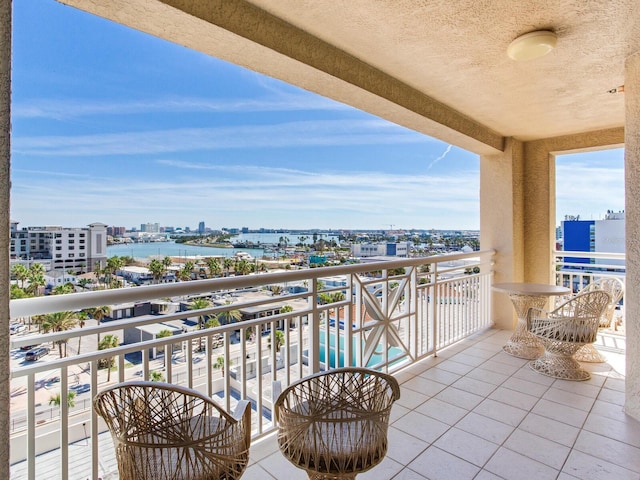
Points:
point(112, 125)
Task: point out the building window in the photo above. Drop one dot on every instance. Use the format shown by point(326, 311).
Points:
point(71, 255)
point(58, 255)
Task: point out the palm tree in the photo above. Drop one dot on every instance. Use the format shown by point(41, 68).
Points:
point(56, 399)
point(156, 268)
point(199, 304)
point(220, 363)
point(62, 289)
point(156, 376)
point(227, 263)
point(167, 262)
point(279, 334)
point(163, 334)
point(21, 273)
point(82, 318)
point(59, 322)
point(36, 278)
point(187, 270)
point(98, 313)
point(230, 316)
point(108, 341)
point(113, 265)
point(215, 269)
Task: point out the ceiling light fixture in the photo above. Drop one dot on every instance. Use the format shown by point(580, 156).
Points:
point(532, 45)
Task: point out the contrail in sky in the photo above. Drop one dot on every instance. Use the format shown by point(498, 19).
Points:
point(440, 157)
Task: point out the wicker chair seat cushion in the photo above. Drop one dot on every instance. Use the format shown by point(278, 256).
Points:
point(336, 445)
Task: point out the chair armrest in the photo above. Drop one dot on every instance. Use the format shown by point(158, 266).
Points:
point(534, 313)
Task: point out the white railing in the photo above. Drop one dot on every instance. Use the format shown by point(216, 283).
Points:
point(384, 315)
point(577, 269)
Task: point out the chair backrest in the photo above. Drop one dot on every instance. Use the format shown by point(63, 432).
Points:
point(614, 288)
point(584, 305)
point(165, 431)
point(350, 388)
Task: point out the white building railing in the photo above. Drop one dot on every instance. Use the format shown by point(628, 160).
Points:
point(384, 315)
point(577, 269)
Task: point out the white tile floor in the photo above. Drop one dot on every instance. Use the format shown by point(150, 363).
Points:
point(475, 412)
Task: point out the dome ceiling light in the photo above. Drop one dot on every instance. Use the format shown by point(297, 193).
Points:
point(532, 45)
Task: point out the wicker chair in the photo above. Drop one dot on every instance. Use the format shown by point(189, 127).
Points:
point(163, 431)
point(615, 289)
point(334, 424)
point(564, 330)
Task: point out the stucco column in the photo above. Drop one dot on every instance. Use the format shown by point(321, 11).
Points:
point(5, 129)
point(632, 216)
point(502, 222)
point(539, 187)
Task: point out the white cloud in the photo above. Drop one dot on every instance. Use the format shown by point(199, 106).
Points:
point(263, 196)
point(75, 108)
point(588, 190)
point(290, 134)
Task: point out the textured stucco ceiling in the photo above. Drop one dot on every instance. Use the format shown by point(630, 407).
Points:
point(438, 66)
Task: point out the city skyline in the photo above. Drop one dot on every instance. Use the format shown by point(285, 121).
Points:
point(115, 126)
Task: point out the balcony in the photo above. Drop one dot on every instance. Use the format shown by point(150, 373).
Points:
point(427, 320)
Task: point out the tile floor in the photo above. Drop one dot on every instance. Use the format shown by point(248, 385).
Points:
point(475, 412)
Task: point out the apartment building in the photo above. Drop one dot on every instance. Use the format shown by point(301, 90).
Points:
point(60, 248)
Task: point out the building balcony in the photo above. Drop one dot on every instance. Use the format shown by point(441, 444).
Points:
point(467, 408)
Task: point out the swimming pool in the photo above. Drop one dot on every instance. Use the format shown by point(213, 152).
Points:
point(393, 352)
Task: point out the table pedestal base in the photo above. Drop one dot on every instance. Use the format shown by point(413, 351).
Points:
point(523, 344)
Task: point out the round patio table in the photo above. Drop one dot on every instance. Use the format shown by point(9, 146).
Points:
point(524, 344)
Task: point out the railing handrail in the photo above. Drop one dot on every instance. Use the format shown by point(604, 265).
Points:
point(582, 254)
point(25, 307)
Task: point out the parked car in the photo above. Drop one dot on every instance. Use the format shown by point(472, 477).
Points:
point(16, 328)
point(29, 347)
point(36, 353)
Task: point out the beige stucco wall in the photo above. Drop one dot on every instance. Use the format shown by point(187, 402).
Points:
point(632, 209)
point(5, 127)
point(502, 222)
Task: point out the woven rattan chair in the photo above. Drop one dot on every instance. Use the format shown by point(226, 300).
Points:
point(334, 424)
point(564, 330)
point(163, 431)
point(615, 289)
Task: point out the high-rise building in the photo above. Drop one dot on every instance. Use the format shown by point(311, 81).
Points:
point(58, 248)
point(201, 228)
point(150, 227)
point(606, 236)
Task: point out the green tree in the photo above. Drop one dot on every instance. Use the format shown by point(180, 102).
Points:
point(167, 262)
point(168, 350)
point(59, 322)
point(36, 279)
point(56, 399)
point(279, 334)
point(186, 271)
point(220, 364)
point(21, 273)
point(63, 289)
point(229, 316)
point(107, 342)
point(157, 269)
point(156, 376)
point(213, 264)
point(199, 304)
point(17, 292)
point(227, 263)
point(82, 318)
